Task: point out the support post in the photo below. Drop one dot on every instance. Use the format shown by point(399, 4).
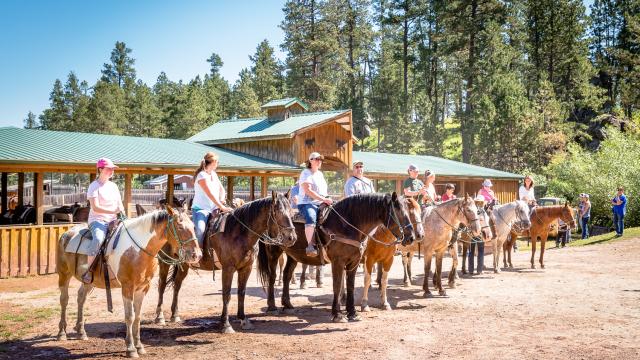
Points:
point(169, 198)
point(92, 177)
point(230, 180)
point(399, 189)
point(127, 194)
point(462, 189)
point(20, 189)
point(252, 188)
point(38, 196)
point(263, 187)
point(4, 193)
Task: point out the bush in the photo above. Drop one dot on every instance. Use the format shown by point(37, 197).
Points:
point(616, 163)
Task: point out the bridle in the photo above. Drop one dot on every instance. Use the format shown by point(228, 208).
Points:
point(513, 224)
point(265, 237)
point(392, 215)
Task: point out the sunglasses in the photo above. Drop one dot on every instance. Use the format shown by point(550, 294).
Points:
point(318, 159)
point(359, 166)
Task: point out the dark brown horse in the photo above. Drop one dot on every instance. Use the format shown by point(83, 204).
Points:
point(342, 234)
point(266, 220)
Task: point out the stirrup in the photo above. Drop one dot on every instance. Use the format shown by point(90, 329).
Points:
point(311, 251)
point(87, 278)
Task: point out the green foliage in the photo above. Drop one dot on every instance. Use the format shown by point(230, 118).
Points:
point(244, 99)
point(616, 163)
point(268, 82)
point(120, 71)
point(31, 121)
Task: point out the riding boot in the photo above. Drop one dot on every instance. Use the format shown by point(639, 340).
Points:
point(87, 277)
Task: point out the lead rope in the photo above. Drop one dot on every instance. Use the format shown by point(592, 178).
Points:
point(361, 232)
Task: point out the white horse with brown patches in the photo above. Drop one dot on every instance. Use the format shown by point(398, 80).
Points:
point(132, 263)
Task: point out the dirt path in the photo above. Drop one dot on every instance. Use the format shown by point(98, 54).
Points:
point(585, 305)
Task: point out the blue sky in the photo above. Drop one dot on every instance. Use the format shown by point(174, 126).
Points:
point(45, 40)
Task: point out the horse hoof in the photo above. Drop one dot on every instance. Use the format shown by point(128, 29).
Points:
point(132, 353)
point(142, 351)
point(497, 271)
point(288, 311)
point(354, 318)
point(442, 293)
point(339, 319)
point(386, 307)
point(279, 283)
point(62, 337)
point(303, 285)
point(533, 266)
point(406, 284)
point(320, 285)
point(228, 330)
point(452, 285)
point(427, 294)
point(160, 321)
point(175, 319)
point(246, 325)
point(273, 312)
point(83, 337)
point(510, 266)
point(365, 308)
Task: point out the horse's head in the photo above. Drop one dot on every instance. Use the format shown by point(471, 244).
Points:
point(467, 206)
point(523, 220)
point(398, 219)
point(567, 216)
point(415, 213)
point(483, 217)
point(280, 224)
point(181, 236)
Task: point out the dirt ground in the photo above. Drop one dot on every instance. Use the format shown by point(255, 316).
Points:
point(584, 305)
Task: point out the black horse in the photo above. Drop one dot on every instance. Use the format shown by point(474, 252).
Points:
point(342, 235)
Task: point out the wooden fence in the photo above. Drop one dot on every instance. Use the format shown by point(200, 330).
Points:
point(30, 249)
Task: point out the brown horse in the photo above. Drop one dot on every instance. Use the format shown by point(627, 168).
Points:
point(484, 215)
point(133, 261)
point(267, 220)
point(541, 218)
point(381, 248)
point(343, 234)
point(439, 223)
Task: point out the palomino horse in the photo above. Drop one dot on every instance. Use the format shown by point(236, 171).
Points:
point(133, 260)
point(440, 222)
point(381, 248)
point(541, 218)
point(484, 216)
point(343, 233)
point(266, 220)
point(506, 217)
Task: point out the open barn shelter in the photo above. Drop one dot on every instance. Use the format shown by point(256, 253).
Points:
point(274, 145)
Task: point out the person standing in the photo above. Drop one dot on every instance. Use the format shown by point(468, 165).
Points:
point(486, 192)
point(480, 203)
point(585, 215)
point(313, 193)
point(619, 203)
point(448, 192)
point(358, 183)
point(413, 187)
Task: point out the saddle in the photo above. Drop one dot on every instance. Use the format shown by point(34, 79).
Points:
point(323, 213)
point(215, 224)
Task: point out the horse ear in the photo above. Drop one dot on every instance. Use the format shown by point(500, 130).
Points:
point(274, 195)
point(394, 196)
point(287, 194)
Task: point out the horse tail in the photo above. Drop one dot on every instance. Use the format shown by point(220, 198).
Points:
point(264, 271)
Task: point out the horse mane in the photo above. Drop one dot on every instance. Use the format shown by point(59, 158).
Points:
point(248, 212)
point(150, 220)
point(363, 205)
point(546, 210)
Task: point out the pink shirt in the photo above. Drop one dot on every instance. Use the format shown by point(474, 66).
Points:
point(446, 197)
point(107, 196)
point(488, 194)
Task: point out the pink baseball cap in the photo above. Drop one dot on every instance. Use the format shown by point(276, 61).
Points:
point(105, 163)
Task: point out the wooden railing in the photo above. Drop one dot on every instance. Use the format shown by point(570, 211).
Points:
point(30, 249)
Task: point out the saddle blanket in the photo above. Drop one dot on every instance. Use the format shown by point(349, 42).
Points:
point(82, 242)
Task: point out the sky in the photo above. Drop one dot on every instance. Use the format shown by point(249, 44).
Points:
point(42, 41)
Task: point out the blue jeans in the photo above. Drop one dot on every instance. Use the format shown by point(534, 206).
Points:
point(585, 227)
point(310, 213)
point(98, 232)
point(618, 222)
point(200, 218)
point(472, 250)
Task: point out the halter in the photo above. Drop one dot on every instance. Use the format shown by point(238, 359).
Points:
point(265, 237)
point(513, 223)
point(392, 215)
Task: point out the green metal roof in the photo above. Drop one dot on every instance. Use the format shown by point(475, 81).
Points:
point(397, 164)
point(26, 146)
point(238, 130)
point(285, 102)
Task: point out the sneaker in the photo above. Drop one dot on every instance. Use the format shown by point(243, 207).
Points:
point(87, 278)
point(311, 251)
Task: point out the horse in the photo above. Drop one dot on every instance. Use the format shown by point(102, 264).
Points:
point(484, 216)
point(440, 222)
point(380, 250)
point(266, 220)
point(507, 217)
point(341, 235)
point(541, 218)
point(133, 261)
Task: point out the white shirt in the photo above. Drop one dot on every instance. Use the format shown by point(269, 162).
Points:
point(355, 185)
point(317, 183)
point(107, 196)
point(200, 199)
point(528, 194)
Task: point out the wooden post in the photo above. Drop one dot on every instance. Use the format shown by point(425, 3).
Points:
point(229, 189)
point(20, 189)
point(399, 189)
point(92, 177)
point(252, 188)
point(169, 198)
point(462, 189)
point(127, 194)
point(38, 196)
point(4, 193)
point(263, 186)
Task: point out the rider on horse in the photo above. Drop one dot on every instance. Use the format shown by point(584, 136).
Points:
point(358, 183)
point(414, 187)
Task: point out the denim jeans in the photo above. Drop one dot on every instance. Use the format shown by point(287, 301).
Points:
point(585, 227)
point(472, 250)
point(200, 218)
point(98, 232)
point(618, 222)
point(310, 213)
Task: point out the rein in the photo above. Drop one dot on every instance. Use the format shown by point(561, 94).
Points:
point(265, 238)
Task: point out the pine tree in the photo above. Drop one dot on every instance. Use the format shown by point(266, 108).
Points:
point(56, 117)
point(244, 100)
point(215, 62)
point(120, 70)
point(108, 109)
point(628, 53)
point(268, 82)
point(31, 121)
point(77, 102)
point(144, 117)
point(166, 94)
point(217, 92)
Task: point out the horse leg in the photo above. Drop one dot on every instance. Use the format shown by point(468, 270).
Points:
point(543, 241)
point(243, 277)
point(351, 306)
point(406, 281)
point(452, 274)
point(289, 268)
point(281, 267)
point(63, 285)
point(385, 281)
point(465, 248)
point(320, 276)
point(533, 249)
point(509, 254)
point(177, 284)
point(138, 297)
point(337, 270)
point(496, 255)
point(127, 301)
point(427, 271)
point(303, 276)
point(368, 268)
point(378, 274)
point(409, 262)
point(162, 285)
point(227, 278)
point(273, 266)
point(83, 291)
point(438, 274)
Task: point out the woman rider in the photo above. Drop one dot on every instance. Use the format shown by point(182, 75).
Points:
point(208, 194)
point(313, 192)
point(105, 205)
point(429, 178)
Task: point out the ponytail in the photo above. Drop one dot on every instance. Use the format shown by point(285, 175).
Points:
point(208, 159)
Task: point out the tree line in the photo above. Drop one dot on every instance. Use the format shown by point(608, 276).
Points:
point(504, 84)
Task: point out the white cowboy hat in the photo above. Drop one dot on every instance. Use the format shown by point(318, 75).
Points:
point(479, 198)
point(487, 183)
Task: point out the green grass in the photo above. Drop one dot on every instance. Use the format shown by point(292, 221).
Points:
point(629, 233)
point(15, 324)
